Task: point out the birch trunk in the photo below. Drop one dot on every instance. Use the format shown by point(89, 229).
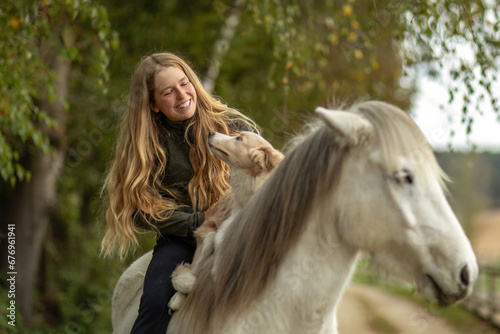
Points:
point(221, 45)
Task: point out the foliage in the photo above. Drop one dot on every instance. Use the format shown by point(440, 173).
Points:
point(310, 53)
point(351, 48)
point(26, 76)
point(37, 32)
point(463, 39)
point(20, 66)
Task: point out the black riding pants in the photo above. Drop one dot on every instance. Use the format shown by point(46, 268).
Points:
point(154, 314)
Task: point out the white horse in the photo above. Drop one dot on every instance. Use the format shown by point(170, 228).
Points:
point(364, 180)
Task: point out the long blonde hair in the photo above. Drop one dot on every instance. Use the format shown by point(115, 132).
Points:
point(133, 184)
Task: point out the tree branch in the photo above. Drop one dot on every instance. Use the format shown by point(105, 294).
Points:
point(470, 21)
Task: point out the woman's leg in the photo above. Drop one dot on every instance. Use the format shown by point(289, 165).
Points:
point(153, 311)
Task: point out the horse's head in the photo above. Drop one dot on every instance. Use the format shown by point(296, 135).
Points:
point(391, 202)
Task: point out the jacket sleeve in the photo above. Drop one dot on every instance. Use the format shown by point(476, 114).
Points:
point(181, 223)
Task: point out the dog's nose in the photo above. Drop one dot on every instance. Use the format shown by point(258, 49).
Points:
point(211, 134)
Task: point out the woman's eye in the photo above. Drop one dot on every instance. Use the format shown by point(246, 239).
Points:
point(184, 83)
point(168, 92)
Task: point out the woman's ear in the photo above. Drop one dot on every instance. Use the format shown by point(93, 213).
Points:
point(154, 108)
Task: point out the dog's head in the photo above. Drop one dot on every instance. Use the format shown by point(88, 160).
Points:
point(247, 152)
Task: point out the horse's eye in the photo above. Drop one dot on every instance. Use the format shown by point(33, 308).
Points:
point(407, 176)
point(239, 138)
point(403, 177)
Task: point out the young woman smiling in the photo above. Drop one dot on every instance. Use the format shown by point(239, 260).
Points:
point(164, 177)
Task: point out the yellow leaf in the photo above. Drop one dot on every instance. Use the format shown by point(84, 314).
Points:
point(375, 65)
point(14, 23)
point(352, 36)
point(355, 24)
point(358, 54)
point(347, 9)
point(334, 38)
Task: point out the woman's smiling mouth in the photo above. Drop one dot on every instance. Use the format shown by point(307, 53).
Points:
point(184, 105)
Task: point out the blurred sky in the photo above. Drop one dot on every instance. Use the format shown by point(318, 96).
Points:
point(437, 125)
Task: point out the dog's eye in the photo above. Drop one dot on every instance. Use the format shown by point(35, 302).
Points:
point(239, 138)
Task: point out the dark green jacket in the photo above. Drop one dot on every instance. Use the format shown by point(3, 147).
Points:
point(178, 174)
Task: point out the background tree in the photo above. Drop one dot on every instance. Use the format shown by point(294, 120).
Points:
point(39, 44)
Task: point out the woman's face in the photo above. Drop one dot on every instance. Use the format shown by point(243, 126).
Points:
point(174, 94)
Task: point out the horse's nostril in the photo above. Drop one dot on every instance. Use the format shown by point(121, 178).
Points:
point(211, 133)
point(464, 276)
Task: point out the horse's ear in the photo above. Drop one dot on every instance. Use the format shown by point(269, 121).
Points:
point(350, 128)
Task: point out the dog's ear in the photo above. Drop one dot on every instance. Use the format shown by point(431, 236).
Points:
point(273, 158)
point(265, 157)
point(258, 156)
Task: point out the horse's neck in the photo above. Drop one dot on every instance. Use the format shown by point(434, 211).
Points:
point(321, 267)
point(243, 187)
point(309, 285)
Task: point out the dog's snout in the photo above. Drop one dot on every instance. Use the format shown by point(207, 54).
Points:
point(211, 134)
point(465, 276)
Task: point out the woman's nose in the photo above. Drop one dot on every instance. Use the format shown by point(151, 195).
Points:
point(181, 94)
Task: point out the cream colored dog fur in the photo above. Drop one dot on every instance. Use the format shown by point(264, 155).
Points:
point(251, 159)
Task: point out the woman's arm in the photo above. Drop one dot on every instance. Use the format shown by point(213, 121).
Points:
point(181, 223)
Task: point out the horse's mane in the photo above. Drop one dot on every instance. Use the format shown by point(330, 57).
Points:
point(270, 224)
point(265, 229)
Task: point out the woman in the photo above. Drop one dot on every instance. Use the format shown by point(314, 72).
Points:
point(164, 177)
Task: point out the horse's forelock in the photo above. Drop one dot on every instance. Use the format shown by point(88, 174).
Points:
point(400, 137)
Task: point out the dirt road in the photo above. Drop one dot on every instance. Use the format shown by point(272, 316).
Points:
point(369, 310)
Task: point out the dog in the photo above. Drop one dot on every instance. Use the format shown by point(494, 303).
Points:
point(251, 159)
